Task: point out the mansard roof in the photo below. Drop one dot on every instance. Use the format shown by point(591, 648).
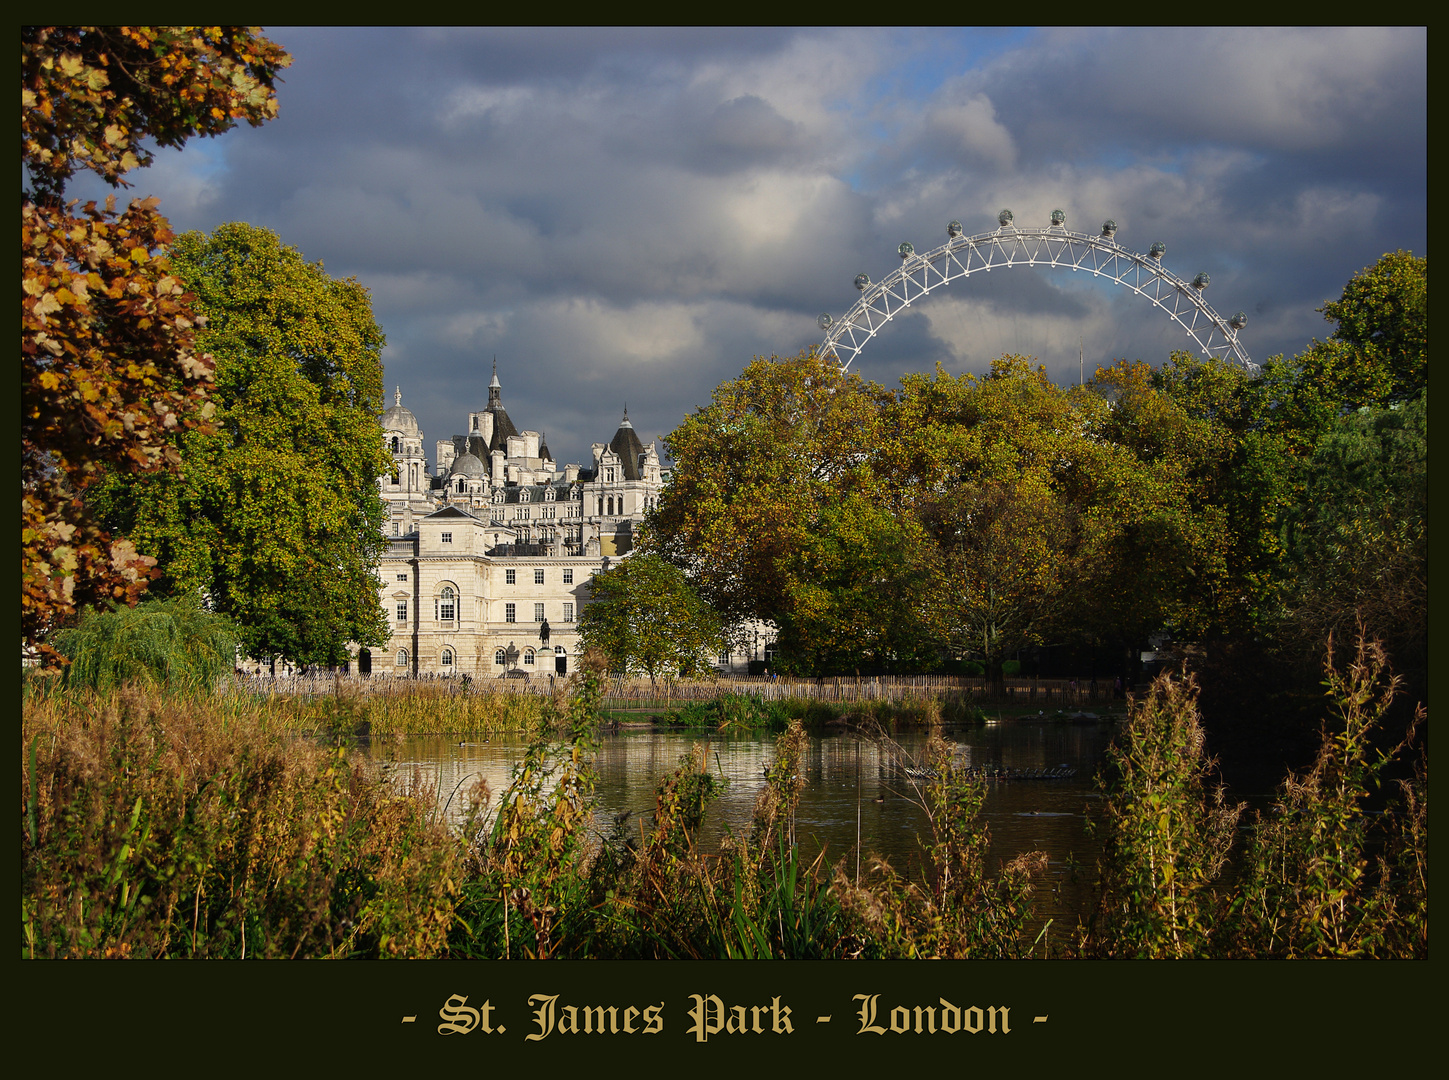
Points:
point(513, 493)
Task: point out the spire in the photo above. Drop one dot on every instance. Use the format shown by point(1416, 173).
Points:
point(495, 388)
point(397, 397)
point(624, 423)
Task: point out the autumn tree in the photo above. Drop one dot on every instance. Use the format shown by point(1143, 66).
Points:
point(644, 616)
point(275, 516)
point(109, 367)
point(751, 472)
point(777, 511)
point(1030, 511)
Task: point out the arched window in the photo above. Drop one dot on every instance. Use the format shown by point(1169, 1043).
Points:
point(500, 657)
point(402, 658)
point(447, 658)
point(394, 444)
point(611, 506)
point(446, 605)
point(528, 656)
point(460, 483)
point(601, 507)
point(560, 650)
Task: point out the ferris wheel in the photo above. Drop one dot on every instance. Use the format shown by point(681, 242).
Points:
point(1051, 246)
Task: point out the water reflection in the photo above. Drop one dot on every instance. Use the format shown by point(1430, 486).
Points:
point(857, 792)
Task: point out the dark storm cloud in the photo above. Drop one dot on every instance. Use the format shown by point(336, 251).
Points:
point(630, 215)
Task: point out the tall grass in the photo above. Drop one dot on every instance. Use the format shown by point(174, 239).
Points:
point(422, 708)
point(164, 826)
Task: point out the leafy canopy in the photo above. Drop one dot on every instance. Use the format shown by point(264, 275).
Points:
point(645, 618)
point(89, 95)
point(275, 516)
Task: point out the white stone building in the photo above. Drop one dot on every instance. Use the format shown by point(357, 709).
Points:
point(496, 547)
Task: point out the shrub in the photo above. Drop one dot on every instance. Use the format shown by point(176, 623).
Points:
point(1312, 888)
point(1168, 833)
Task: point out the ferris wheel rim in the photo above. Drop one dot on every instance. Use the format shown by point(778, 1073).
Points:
point(1102, 255)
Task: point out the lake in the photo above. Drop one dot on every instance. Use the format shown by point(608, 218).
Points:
point(856, 789)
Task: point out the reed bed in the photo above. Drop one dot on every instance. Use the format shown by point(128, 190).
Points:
point(174, 825)
point(403, 708)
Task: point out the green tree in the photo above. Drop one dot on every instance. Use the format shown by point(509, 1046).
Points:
point(1357, 540)
point(644, 616)
point(1378, 353)
point(275, 517)
point(777, 511)
point(109, 371)
point(860, 589)
point(1210, 552)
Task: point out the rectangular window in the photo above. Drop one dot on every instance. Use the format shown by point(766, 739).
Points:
point(568, 613)
point(538, 613)
point(510, 611)
point(446, 612)
point(402, 577)
point(569, 576)
point(510, 577)
point(447, 538)
point(394, 528)
point(538, 577)
point(402, 612)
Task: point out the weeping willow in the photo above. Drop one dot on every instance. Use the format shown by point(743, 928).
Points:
point(171, 643)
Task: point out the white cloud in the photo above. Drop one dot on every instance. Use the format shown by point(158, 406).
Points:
point(971, 127)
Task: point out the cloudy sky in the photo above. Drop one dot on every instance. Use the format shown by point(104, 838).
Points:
point(632, 215)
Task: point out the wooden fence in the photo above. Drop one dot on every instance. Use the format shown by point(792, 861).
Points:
point(621, 693)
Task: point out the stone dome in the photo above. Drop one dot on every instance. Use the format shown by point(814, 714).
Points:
point(398, 418)
point(466, 465)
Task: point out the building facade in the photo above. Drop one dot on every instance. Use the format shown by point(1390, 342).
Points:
point(490, 554)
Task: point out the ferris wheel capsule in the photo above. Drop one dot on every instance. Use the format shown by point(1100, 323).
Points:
point(1238, 321)
point(1157, 250)
point(953, 230)
point(825, 321)
point(906, 250)
point(1202, 281)
point(1004, 218)
point(1109, 228)
point(1059, 217)
point(862, 281)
